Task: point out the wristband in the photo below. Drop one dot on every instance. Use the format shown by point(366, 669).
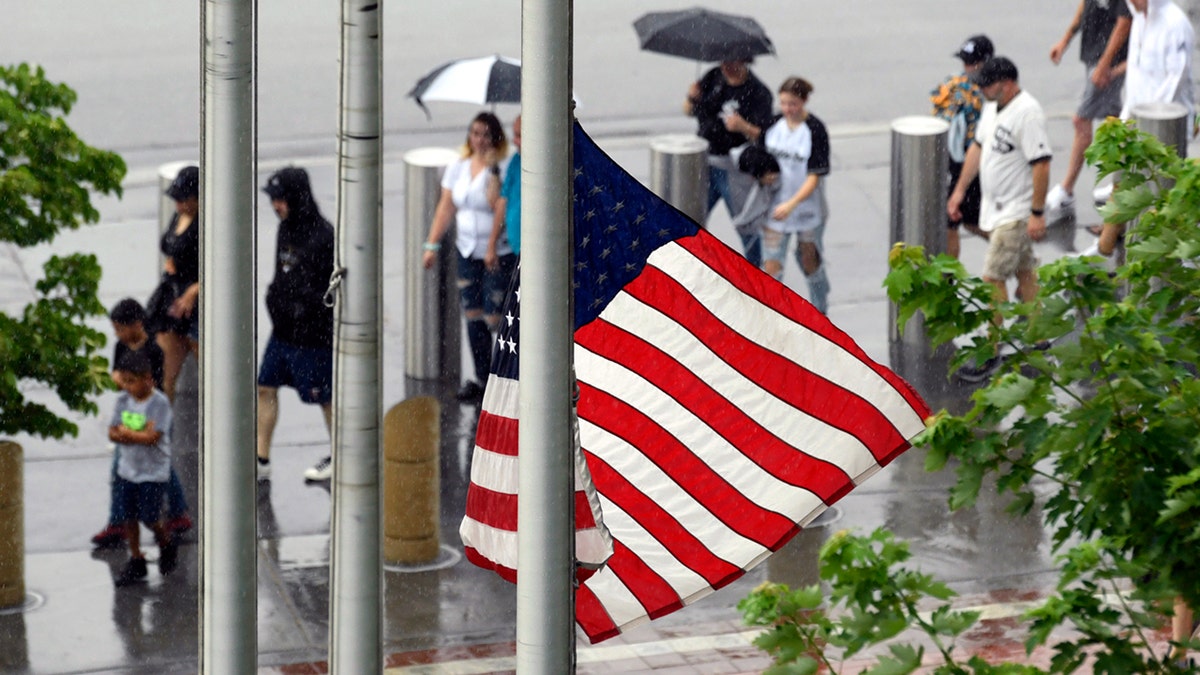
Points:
point(431, 246)
point(1038, 212)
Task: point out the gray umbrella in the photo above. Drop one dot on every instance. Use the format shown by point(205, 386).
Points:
point(702, 35)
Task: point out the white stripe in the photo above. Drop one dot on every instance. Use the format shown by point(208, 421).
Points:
point(692, 433)
point(500, 546)
point(494, 471)
point(795, 427)
point(792, 340)
point(658, 486)
point(502, 397)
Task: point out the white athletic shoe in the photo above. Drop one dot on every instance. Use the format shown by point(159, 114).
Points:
point(1102, 194)
point(1058, 203)
point(322, 470)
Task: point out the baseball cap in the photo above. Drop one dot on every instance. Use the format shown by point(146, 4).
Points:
point(976, 49)
point(996, 70)
point(185, 185)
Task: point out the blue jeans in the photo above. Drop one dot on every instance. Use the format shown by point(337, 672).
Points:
point(718, 189)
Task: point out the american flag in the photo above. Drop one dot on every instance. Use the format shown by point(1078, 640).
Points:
point(719, 412)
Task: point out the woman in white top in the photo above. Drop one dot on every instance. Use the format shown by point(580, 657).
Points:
point(800, 143)
point(470, 188)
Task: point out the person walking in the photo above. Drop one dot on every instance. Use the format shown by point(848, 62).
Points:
point(1159, 70)
point(1011, 155)
point(800, 144)
point(173, 316)
point(959, 101)
point(470, 194)
point(1103, 28)
point(299, 353)
point(732, 107)
point(507, 223)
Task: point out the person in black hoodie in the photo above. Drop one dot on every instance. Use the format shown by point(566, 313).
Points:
point(299, 352)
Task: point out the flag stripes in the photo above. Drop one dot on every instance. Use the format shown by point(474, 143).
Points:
point(718, 412)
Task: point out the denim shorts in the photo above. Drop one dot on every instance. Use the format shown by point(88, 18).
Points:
point(775, 243)
point(308, 370)
point(481, 288)
point(138, 501)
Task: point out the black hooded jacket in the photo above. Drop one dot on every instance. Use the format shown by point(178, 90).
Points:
point(303, 264)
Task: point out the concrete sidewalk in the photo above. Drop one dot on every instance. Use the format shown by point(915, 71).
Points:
point(457, 619)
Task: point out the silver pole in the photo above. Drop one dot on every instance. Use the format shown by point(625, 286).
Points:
point(432, 346)
point(545, 518)
point(356, 568)
point(920, 167)
point(1168, 122)
point(227, 379)
point(679, 173)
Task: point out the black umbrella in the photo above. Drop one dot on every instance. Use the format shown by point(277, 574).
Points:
point(483, 80)
point(702, 35)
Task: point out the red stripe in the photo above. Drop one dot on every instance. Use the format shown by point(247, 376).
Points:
point(592, 617)
point(499, 509)
point(740, 513)
point(782, 460)
point(782, 299)
point(655, 594)
point(497, 434)
point(478, 559)
point(787, 380)
point(661, 524)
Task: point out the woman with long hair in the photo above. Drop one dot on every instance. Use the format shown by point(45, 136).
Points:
point(470, 190)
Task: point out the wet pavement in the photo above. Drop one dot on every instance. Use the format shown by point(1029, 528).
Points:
point(460, 616)
point(460, 619)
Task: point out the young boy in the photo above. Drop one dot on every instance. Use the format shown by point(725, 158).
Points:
point(128, 322)
point(141, 428)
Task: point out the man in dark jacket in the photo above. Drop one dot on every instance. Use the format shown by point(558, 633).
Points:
point(299, 353)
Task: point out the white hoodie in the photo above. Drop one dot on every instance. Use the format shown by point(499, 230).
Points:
point(1160, 57)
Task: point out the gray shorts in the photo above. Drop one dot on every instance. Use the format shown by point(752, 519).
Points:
point(1009, 251)
point(1096, 104)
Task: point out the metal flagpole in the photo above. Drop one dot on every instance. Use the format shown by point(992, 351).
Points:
point(228, 397)
point(356, 616)
point(545, 518)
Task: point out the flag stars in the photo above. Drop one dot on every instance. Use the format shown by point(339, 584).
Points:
point(591, 214)
point(617, 207)
point(587, 239)
point(641, 218)
point(633, 245)
point(580, 266)
point(603, 278)
point(578, 172)
point(597, 302)
point(510, 318)
point(605, 253)
point(596, 189)
point(611, 228)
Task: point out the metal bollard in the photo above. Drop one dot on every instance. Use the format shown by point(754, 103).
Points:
point(432, 344)
point(12, 526)
point(411, 481)
point(920, 166)
point(679, 173)
point(1168, 122)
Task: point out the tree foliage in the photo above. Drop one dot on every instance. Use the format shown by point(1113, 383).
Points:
point(1104, 424)
point(47, 176)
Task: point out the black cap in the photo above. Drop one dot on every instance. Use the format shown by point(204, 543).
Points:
point(287, 182)
point(186, 184)
point(976, 49)
point(996, 70)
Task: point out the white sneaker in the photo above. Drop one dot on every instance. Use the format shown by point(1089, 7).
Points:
point(263, 471)
point(1058, 203)
point(1094, 249)
point(1102, 194)
point(322, 470)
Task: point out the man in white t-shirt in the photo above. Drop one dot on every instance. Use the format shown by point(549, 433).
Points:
point(1011, 154)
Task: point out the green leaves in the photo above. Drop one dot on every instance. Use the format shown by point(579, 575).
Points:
point(46, 177)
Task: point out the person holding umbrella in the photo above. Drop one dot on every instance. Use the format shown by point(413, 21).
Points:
point(470, 191)
point(731, 107)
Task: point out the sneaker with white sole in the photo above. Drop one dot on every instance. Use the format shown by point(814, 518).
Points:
point(1102, 194)
point(322, 470)
point(1058, 203)
point(263, 471)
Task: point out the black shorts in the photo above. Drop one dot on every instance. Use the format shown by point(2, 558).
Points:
point(970, 203)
